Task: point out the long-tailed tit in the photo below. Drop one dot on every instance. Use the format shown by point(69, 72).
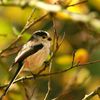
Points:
point(33, 53)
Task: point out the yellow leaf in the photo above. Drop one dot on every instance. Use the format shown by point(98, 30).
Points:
point(64, 59)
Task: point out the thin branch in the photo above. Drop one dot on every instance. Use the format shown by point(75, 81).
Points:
point(26, 27)
point(92, 94)
point(52, 73)
point(31, 4)
point(49, 83)
point(19, 37)
point(56, 36)
point(73, 58)
point(13, 50)
point(29, 18)
point(69, 87)
point(70, 83)
point(56, 44)
point(81, 2)
point(22, 32)
point(15, 4)
point(33, 91)
point(38, 4)
point(26, 92)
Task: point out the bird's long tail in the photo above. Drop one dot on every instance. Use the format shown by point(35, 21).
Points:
point(11, 82)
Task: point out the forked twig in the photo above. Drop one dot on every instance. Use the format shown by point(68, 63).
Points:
point(26, 27)
point(49, 83)
point(52, 73)
point(81, 2)
point(92, 94)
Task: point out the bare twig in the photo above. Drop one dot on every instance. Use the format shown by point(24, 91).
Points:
point(13, 50)
point(26, 92)
point(31, 15)
point(49, 83)
point(46, 64)
point(19, 37)
point(39, 4)
point(70, 83)
point(92, 94)
point(32, 93)
point(26, 27)
point(56, 44)
point(31, 4)
point(73, 57)
point(52, 73)
point(81, 2)
point(15, 4)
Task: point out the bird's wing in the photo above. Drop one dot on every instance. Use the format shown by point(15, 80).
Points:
point(21, 56)
point(27, 51)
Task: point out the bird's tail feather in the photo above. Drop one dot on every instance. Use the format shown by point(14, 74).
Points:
point(11, 82)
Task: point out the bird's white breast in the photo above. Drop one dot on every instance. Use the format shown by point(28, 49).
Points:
point(37, 59)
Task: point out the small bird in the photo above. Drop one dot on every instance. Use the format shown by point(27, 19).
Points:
point(33, 53)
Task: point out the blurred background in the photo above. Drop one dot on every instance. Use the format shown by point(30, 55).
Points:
point(81, 25)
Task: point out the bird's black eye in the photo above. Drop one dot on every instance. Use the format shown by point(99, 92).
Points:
point(44, 37)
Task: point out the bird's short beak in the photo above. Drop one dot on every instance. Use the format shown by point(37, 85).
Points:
point(49, 39)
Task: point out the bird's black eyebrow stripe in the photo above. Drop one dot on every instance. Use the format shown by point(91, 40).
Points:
point(41, 33)
point(38, 33)
point(31, 51)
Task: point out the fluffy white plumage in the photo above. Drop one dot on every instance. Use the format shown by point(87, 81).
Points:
point(33, 53)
